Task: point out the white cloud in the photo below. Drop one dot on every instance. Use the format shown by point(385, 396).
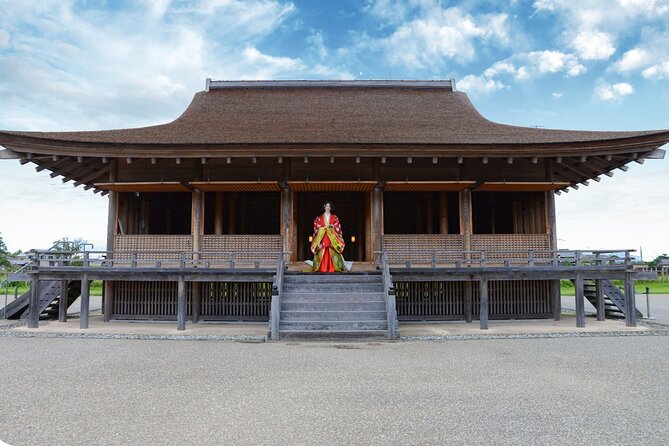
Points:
point(317, 42)
point(544, 5)
point(479, 84)
point(269, 67)
point(632, 60)
point(556, 95)
point(591, 45)
point(554, 62)
point(423, 34)
point(4, 38)
point(89, 68)
point(607, 92)
point(657, 72)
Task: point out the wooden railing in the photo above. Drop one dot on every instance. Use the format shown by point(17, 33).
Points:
point(159, 259)
point(389, 294)
point(275, 309)
point(509, 258)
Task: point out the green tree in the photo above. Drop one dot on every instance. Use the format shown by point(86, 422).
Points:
point(4, 254)
point(657, 260)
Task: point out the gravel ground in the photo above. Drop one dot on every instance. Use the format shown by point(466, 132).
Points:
point(659, 306)
point(523, 391)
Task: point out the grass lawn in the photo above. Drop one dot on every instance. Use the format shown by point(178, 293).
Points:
point(660, 286)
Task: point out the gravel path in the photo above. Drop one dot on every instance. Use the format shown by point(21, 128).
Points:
point(523, 391)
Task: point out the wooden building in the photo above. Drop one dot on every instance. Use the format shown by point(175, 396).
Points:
point(457, 211)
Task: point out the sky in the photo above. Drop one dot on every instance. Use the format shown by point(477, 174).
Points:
point(582, 65)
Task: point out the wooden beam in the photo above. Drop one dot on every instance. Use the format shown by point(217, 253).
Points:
point(49, 164)
point(583, 175)
point(377, 218)
point(484, 307)
point(33, 309)
point(181, 304)
point(469, 290)
point(94, 175)
point(112, 221)
point(601, 310)
point(466, 218)
point(85, 302)
point(287, 229)
point(196, 301)
point(630, 300)
point(77, 170)
point(62, 303)
point(580, 301)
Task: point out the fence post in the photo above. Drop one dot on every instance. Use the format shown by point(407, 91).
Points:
point(33, 309)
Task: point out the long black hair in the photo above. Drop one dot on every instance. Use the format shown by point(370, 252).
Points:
point(331, 206)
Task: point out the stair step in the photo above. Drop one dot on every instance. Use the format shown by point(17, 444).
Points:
point(332, 334)
point(332, 297)
point(332, 278)
point(371, 305)
point(333, 325)
point(333, 287)
point(317, 315)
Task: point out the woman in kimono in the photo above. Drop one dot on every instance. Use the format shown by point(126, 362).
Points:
point(328, 242)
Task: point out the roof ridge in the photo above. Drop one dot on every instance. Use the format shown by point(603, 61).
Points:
point(445, 84)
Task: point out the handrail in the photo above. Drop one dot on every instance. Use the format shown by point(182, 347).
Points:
point(6, 281)
point(275, 308)
point(162, 258)
point(389, 294)
point(506, 258)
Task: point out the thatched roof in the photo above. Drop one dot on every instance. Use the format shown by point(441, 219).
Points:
point(330, 114)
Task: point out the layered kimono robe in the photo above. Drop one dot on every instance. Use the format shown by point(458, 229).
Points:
point(327, 245)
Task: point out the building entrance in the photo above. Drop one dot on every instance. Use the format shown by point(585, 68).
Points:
point(348, 206)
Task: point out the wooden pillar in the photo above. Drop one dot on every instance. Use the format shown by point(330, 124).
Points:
point(287, 228)
point(218, 213)
point(556, 296)
point(443, 212)
point(181, 304)
point(580, 301)
point(468, 301)
point(33, 309)
point(429, 214)
point(483, 313)
point(85, 301)
point(112, 230)
point(196, 301)
point(601, 310)
point(377, 218)
point(62, 303)
point(197, 231)
point(466, 219)
point(197, 220)
point(630, 300)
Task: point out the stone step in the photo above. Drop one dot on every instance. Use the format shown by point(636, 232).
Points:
point(332, 287)
point(333, 325)
point(333, 334)
point(312, 296)
point(372, 305)
point(332, 278)
point(319, 315)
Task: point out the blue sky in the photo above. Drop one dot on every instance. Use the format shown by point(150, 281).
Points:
point(600, 65)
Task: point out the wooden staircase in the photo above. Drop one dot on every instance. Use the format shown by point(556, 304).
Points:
point(49, 300)
point(333, 306)
point(614, 299)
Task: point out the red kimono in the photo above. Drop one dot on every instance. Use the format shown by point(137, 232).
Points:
point(327, 245)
